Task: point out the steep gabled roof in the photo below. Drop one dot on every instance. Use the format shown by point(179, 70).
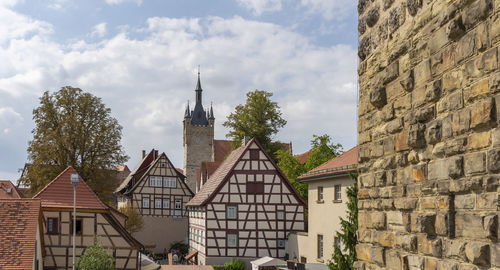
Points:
point(220, 176)
point(151, 166)
point(59, 193)
point(19, 219)
point(343, 163)
point(303, 157)
point(137, 172)
point(8, 190)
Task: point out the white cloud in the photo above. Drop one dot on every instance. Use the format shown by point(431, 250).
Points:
point(9, 119)
point(260, 6)
point(146, 81)
point(118, 2)
point(329, 9)
point(99, 30)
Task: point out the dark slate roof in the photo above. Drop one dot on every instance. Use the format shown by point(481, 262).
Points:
point(199, 115)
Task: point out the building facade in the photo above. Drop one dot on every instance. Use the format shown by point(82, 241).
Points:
point(429, 151)
point(327, 203)
point(94, 220)
point(245, 210)
point(158, 191)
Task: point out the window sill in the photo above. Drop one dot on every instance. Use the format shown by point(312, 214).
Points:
point(320, 201)
point(337, 201)
point(320, 260)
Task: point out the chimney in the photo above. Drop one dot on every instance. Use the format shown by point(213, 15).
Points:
point(246, 139)
point(143, 153)
point(156, 154)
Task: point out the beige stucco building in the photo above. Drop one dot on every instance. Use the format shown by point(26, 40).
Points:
point(327, 204)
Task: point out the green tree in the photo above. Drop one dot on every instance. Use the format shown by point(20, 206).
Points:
point(95, 258)
point(259, 118)
point(134, 219)
point(322, 150)
point(345, 258)
point(74, 128)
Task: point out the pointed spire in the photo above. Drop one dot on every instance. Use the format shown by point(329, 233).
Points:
point(199, 115)
point(211, 112)
point(187, 113)
point(198, 85)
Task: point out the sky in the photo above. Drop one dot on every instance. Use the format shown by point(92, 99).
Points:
point(142, 56)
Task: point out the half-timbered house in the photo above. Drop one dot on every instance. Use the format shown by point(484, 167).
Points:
point(94, 220)
point(246, 209)
point(158, 191)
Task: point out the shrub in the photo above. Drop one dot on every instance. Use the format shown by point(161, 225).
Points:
point(234, 264)
point(95, 258)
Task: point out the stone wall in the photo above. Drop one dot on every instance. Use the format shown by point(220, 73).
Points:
point(428, 133)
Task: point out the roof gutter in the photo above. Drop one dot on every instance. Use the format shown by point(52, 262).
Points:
point(325, 176)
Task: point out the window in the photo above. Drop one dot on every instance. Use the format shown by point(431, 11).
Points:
point(163, 164)
point(166, 203)
point(320, 194)
point(254, 154)
point(281, 243)
point(79, 226)
point(170, 182)
point(336, 240)
point(178, 204)
point(280, 215)
point(231, 212)
point(52, 226)
point(232, 240)
point(155, 181)
point(320, 246)
point(338, 192)
point(255, 187)
point(145, 202)
point(157, 203)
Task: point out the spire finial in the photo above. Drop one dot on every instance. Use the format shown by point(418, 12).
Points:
point(198, 71)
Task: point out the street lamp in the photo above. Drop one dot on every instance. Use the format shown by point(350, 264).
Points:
point(74, 180)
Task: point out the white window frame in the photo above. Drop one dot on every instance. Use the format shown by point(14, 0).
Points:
point(145, 202)
point(169, 182)
point(166, 203)
point(320, 244)
point(180, 205)
point(321, 196)
point(230, 238)
point(231, 211)
point(158, 203)
point(155, 181)
point(338, 193)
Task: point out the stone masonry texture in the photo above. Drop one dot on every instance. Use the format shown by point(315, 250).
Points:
point(429, 134)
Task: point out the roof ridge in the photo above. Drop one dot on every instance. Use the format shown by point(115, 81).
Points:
point(50, 183)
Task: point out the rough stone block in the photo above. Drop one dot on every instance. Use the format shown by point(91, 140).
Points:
point(478, 253)
point(477, 90)
point(402, 141)
point(424, 114)
point(494, 160)
point(422, 72)
point(495, 255)
point(455, 101)
point(378, 220)
point(476, 226)
point(416, 136)
point(433, 91)
point(395, 125)
point(455, 249)
point(383, 238)
point(413, 6)
point(372, 16)
point(456, 146)
point(455, 167)
point(467, 201)
point(441, 224)
point(434, 132)
point(420, 172)
point(407, 81)
point(455, 28)
point(393, 260)
point(477, 12)
point(378, 97)
point(495, 82)
point(475, 163)
point(424, 223)
point(461, 121)
point(482, 114)
point(391, 72)
point(479, 140)
point(409, 243)
point(466, 46)
point(447, 265)
point(406, 203)
point(430, 247)
point(438, 169)
point(487, 201)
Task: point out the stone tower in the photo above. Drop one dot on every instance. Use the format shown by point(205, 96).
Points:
point(429, 134)
point(198, 137)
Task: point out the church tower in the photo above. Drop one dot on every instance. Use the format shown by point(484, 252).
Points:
point(198, 137)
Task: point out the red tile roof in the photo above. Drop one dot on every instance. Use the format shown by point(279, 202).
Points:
point(123, 168)
point(345, 162)
point(303, 157)
point(19, 219)
point(5, 186)
point(221, 149)
point(59, 193)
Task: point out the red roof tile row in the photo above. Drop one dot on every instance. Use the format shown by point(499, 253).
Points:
point(8, 190)
point(19, 219)
point(347, 161)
